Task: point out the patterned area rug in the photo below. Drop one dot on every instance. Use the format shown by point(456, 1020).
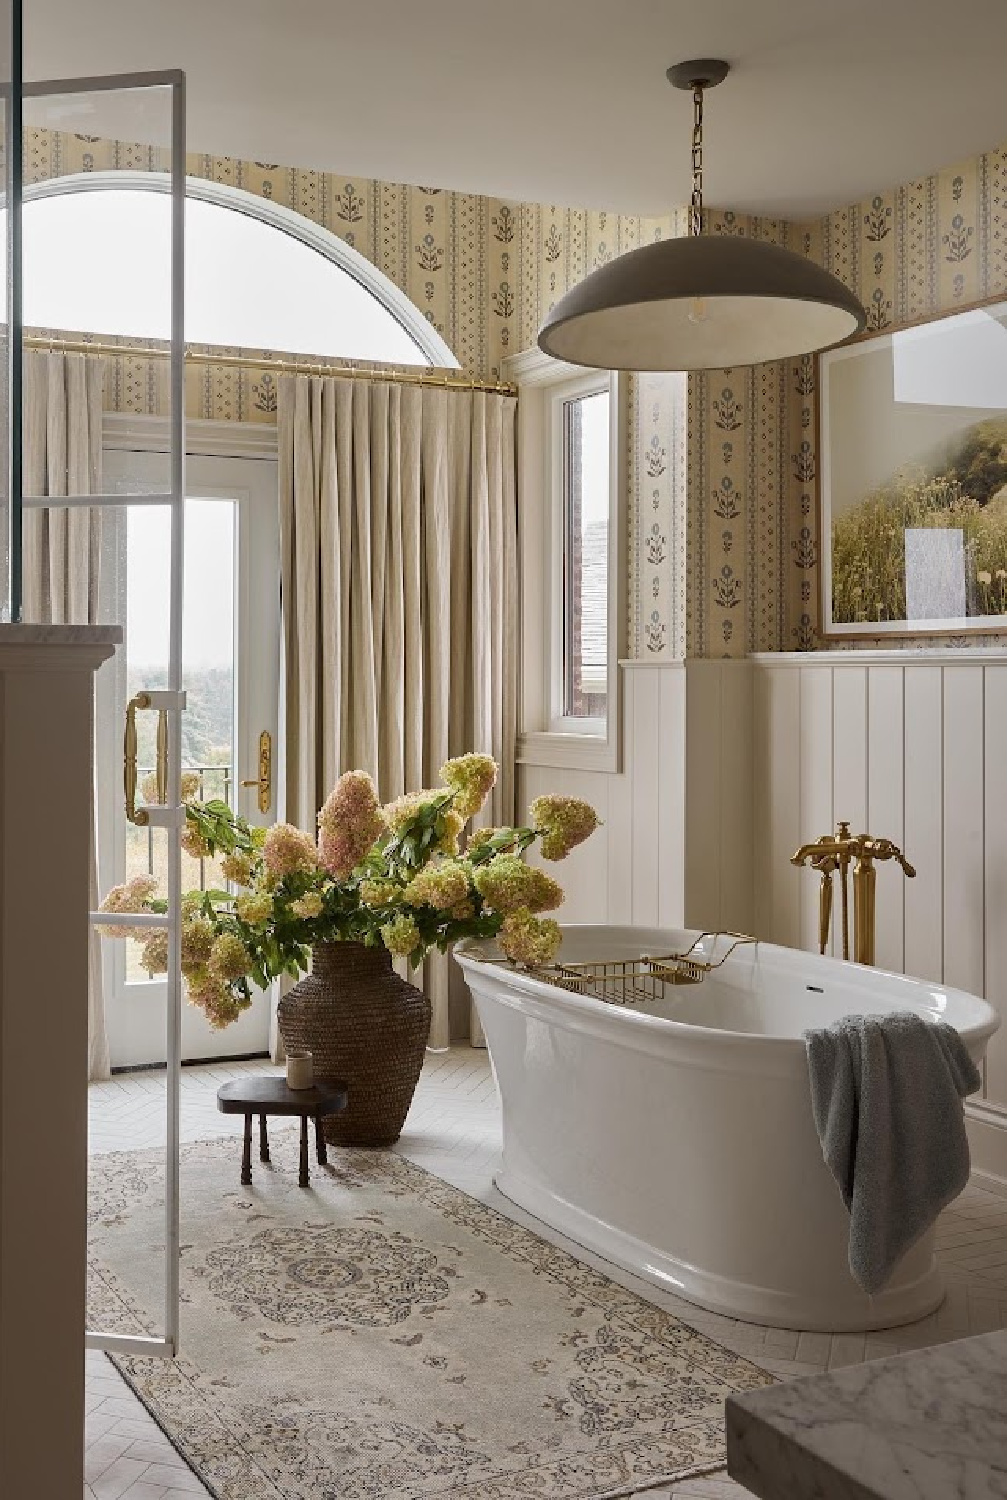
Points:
point(385, 1335)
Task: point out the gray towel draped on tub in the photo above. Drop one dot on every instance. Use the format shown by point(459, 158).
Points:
point(887, 1096)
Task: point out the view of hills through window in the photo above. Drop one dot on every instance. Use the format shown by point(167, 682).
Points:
point(208, 668)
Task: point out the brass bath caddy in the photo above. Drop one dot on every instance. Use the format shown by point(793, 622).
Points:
point(628, 981)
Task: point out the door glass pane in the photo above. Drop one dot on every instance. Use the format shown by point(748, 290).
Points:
point(68, 139)
point(9, 146)
point(208, 641)
point(586, 555)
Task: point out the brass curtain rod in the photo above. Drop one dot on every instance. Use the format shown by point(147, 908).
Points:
point(349, 371)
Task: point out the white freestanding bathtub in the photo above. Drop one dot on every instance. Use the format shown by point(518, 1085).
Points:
point(676, 1138)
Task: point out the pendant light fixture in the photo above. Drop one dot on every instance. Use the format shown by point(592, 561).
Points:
point(702, 302)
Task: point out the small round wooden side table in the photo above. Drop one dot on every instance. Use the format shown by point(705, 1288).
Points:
point(262, 1096)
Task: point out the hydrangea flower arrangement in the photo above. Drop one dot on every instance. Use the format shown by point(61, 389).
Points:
point(394, 875)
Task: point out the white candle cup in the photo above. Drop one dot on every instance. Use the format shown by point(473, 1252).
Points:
point(299, 1070)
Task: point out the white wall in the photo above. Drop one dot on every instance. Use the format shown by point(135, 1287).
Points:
point(910, 746)
point(630, 870)
point(728, 766)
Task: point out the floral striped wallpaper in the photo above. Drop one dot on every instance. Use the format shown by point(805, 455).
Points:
point(721, 488)
point(483, 271)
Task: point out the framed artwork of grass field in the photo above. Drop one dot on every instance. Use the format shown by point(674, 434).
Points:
point(913, 481)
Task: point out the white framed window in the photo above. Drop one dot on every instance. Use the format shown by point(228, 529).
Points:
point(97, 261)
point(571, 471)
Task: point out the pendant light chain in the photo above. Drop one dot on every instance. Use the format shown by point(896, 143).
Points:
point(696, 201)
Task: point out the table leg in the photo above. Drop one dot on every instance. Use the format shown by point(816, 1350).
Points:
point(263, 1140)
point(303, 1175)
point(320, 1141)
point(246, 1173)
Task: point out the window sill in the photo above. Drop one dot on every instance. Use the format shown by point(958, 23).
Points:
point(570, 752)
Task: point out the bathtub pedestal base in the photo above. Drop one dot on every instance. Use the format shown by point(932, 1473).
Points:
point(848, 1311)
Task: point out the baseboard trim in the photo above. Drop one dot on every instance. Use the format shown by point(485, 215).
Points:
point(988, 1182)
point(190, 1062)
point(987, 1129)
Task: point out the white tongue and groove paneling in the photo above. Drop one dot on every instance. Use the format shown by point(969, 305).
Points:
point(886, 754)
point(995, 892)
point(735, 800)
point(908, 746)
point(728, 766)
point(815, 792)
point(850, 767)
point(963, 827)
point(923, 898)
point(782, 793)
point(645, 768)
point(672, 781)
point(631, 871)
point(704, 809)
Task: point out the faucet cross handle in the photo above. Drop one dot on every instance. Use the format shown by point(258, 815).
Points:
point(886, 849)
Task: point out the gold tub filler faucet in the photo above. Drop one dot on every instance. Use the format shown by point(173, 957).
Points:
point(836, 852)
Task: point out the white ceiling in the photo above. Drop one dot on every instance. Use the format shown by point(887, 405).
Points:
point(565, 101)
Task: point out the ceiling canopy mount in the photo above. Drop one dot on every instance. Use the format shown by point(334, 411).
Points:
point(698, 73)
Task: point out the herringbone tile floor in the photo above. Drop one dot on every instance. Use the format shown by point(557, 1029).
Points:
point(453, 1130)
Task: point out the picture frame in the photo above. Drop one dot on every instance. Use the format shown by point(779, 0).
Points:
point(912, 478)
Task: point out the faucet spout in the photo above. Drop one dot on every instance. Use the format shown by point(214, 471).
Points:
point(824, 851)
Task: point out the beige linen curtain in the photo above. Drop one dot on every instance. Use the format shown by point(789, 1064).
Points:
point(63, 456)
point(398, 522)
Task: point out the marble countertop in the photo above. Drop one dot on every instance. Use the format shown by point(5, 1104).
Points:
point(60, 635)
point(929, 1425)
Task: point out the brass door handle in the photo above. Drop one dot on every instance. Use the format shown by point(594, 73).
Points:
point(133, 813)
point(264, 781)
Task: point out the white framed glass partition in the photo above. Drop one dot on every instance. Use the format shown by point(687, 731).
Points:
point(11, 135)
point(56, 511)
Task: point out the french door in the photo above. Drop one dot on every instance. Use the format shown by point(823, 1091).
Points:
point(230, 674)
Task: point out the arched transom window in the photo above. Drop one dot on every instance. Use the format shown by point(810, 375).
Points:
point(259, 276)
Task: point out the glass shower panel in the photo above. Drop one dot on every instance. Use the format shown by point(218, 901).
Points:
point(80, 526)
point(10, 137)
point(129, 1258)
point(98, 277)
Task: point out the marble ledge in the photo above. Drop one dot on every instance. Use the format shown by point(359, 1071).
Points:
point(60, 635)
point(926, 1425)
point(56, 648)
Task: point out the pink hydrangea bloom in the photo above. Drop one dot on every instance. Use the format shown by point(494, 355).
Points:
point(349, 823)
point(133, 896)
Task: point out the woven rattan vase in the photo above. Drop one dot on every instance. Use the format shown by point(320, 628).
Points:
point(365, 1027)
